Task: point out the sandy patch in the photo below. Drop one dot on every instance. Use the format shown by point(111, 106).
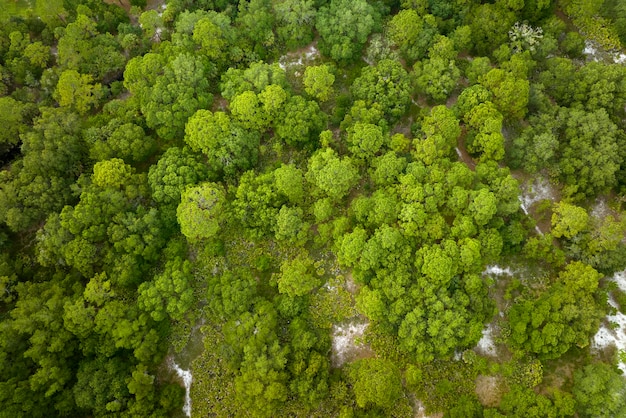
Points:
point(347, 344)
point(489, 390)
point(186, 377)
point(615, 334)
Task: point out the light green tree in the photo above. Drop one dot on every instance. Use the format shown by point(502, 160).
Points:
point(202, 211)
point(318, 82)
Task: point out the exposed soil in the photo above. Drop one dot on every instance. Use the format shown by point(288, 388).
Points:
point(124, 4)
point(219, 104)
point(347, 344)
point(489, 390)
point(464, 156)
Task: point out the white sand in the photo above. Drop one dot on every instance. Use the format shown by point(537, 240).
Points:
point(591, 51)
point(600, 209)
point(487, 345)
point(300, 57)
point(344, 341)
point(496, 270)
point(606, 336)
point(186, 377)
point(539, 189)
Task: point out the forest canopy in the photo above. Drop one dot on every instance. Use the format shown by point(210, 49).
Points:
point(312, 208)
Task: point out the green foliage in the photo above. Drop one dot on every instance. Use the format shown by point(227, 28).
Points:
point(365, 140)
point(246, 108)
point(122, 140)
point(228, 146)
point(523, 402)
point(387, 84)
point(76, 91)
point(290, 182)
point(112, 232)
point(202, 211)
point(294, 21)
point(438, 75)
point(39, 183)
point(82, 48)
point(254, 78)
point(290, 226)
point(300, 121)
point(565, 314)
point(174, 90)
point(344, 26)
point(599, 391)
point(176, 169)
point(580, 146)
point(412, 33)
point(297, 276)
point(568, 220)
point(376, 382)
point(445, 386)
point(169, 293)
point(510, 94)
point(331, 175)
point(12, 119)
point(257, 203)
point(318, 82)
point(490, 24)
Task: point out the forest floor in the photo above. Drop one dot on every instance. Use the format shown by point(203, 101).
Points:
point(612, 332)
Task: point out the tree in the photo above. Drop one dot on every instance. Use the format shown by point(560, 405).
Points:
point(510, 94)
point(228, 146)
point(386, 169)
point(599, 391)
point(523, 402)
point(318, 82)
point(376, 383)
point(290, 182)
point(76, 91)
point(176, 169)
point(168, 293)
point(438, 75)
point(364, 113)
point(122, 140)
point(344, 26)
point(412, 33)
point(257, 203)
point(246, 109)
point(261, 381)
point(216, 36)
point(82, 48)
point(489, 25)
point(169, 90)
point(39, 183)
point(273, 97)
point(387, 84)
point(300, 121)
point(255, 23)
point(565, 314)
point(568, 220)
point(331, 175)
point(254, 78)
point(483, 207)
point(290, 226)
point(294, 21)
point(231, 293)
point(12, 119)
point(365, 140)
point(297, 276)
point(587, 156)
point(202, 211)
